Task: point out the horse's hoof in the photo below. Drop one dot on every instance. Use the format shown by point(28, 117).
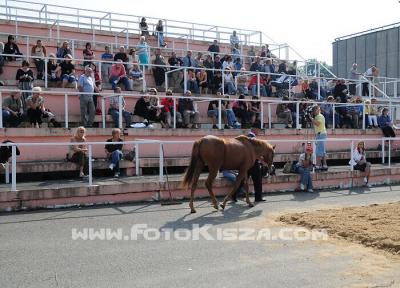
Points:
point(251, 205)
point(192, 211)
point(222, 206)
point(216, 206)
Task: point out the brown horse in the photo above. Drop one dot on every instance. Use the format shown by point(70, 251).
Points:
point(238, 153)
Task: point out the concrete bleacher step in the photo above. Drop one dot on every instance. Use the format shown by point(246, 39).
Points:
point(56, 194)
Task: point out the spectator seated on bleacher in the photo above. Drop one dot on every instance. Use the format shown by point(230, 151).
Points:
point(241, 80)
point(11, 48)
point(217, 63)
point(253, 85)
point(147, 111)
point(191, 82)
point(386, 123)
point(114, 151)
point(341, 90)
point(237, 66)
point(327, 111)
point(25, 80)
point(77, 152)
point(88, 54)
point(135, 77)
point(35, 108)
point(256, 66)
point(52, 66)
point(118, 75)
point(283, 83)
point(13, 112)
point(113, 110)
point(188, 60)
point(216, 83)
point(229, 82)
point(360, 163)
point(106, 67)
point(132, 58)
point(144, 28)
point(251, 54)
point(304, 167)
point(189, 114)
point(213, 113)
point(228, 62)
point(67, 69)
point(167, 112)
point(121, 55)
point(232, 121)
point(63, 51)
point(255, 109)
point(214, 48)
point(202, 81)
point(242, 111)
point(283, 112)
point(39, 51)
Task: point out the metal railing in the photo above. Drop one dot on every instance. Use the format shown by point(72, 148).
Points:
point(161, 152)
point(15, 10)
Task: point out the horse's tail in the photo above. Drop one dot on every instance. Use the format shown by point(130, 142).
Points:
point(188, 178)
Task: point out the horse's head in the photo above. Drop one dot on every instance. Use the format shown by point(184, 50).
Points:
point(265, 152)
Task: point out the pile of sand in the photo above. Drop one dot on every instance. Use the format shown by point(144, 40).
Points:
point(374, 225)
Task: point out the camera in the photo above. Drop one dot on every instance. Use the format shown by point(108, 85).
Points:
point(308, 114)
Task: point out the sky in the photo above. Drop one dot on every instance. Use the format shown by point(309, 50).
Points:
point(309, 26)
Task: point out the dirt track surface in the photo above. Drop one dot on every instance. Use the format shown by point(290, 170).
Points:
point(376, 225)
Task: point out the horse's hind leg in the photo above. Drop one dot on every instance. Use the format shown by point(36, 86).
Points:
point(239, 179)
point(211, 176)
point(196, 175)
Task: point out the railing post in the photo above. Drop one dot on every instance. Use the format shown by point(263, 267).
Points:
point(297, 115)
point(166, 81)
point(90, 166)
point(7, 172)
point(174, 112)
point(223, 83)
point(261, 114)
point(352, 154)
point(103, 112)
point(389, 153)
point(333, 115)
point(137, 168)
point(269, 116)
point(219, 114)
point(45, 11)
point(184, 81)
point(14, 168)
point(46, 60)
point(290, 86)
point(73, 48)
point(1, 109)
point(66, 109)
point(363, 116)
point(258, 84)
point(383, 150)
point(120, 111)
point(161, 179)
point(27, 47)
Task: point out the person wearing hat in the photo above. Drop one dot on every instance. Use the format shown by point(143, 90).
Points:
point(320, 136)
point(255, 171)
point(35, 107)
point(304, 168)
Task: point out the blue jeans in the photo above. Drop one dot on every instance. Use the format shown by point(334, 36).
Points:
point(320, 145)
point(115, 157)
point(305, 178)
point(12, 120)
point(231, 177)
point(115, 115)
point(262, 90)
point(242, 89)
point(123, 80)
point(232, 118)
point(160, 39)
point(230, 87)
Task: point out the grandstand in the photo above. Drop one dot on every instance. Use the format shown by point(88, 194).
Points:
point(41, 177)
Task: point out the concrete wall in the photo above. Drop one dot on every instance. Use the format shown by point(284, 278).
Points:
point(381, 48)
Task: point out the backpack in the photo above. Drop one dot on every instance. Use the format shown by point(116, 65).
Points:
point(287, 168)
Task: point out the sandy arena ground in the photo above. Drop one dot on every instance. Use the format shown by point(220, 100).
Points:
point(376, 225)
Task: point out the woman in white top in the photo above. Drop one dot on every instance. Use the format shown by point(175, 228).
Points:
point(229, 82)
point(304, 168)
point(78, 151)
point(359, 161)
